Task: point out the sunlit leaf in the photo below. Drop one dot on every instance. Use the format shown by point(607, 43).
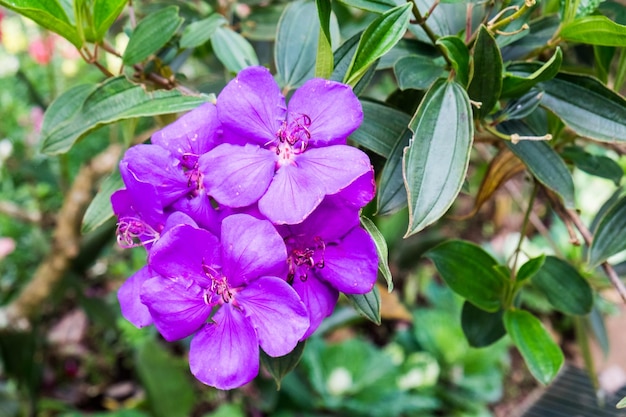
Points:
point(530, 268)
point(594, 30)
point(199, 32)
point(151, 34)
point(324, 63)
point(104, 14)
point(232, 49)
point(520, 77)
point(459, 56)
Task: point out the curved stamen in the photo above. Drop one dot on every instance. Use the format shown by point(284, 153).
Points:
point(132, 232)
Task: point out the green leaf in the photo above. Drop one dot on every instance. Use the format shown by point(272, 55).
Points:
point(151, 34)
point(470, 272)
point(379, 37)
point(381, 250)
point(64, 107)
point(435, 162)
point(367, 305)
point(541, 160)
point(391, 193)
point(459, 56)
point(564, 287)
point(439, 333)
point(598, 165)
point(521, 107)
point(104, 14)
point(481, 328)
point(417, 72)
point(343, 59)
point(522, 76)
point(594, 30)
point(621, 403)
point(609, 236)
point(115, 99)
point(232, 49)
point(166, 380)
point(197, 33)
point(529, 42)
point(530, 268)
point(376, 6)
point(48, 14)
point(280, 366)
point(324, 64)
point(486, 83)
point(542, 355)
point(100, 210)
point(381, 127)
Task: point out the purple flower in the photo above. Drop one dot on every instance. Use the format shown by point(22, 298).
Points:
point(234, 283)
point(285, 157)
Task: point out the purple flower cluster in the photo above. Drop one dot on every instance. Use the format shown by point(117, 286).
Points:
point(249, 210)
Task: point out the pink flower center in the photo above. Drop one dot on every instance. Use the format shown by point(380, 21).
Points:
point(219, 292)
point(293, 139)
point(302, 260)
point(132, 232)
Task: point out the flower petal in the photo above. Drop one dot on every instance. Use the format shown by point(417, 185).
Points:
point(225, 354)
point(200, 209)
point(318, 297)
point(358, 194)
point(276, 312)
point(352, 265)
point(251, 248)
point(237, 176)
point(130, 302)
point(292, 195)
point(334, 110)
point(177, 307)
point(191, 135)
point(251, 107)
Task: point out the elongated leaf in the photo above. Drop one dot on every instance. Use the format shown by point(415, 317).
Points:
point(64, 107)
point(521, 107)
point(233, 50)
point(521, 77)
point(279, 367)
point(481, 328)
point(115, 99)
point(377, 6)
point(598, 165)
point(379, 37)
point(324, 64)
point(542, 161)
point(48, 14)
point(197, 33)
point(565, 288)
point(609, 237)
point(458, 54)
point(530, 268)
point(470, 272)
point(542, 355)
point(486, 83)
point(391, 194)
point(381, 250)
point(541, 31)
point(367, 305)
point(435, 162)
point(594, 30)
point(381, 127)
point(100, 210)
point(151, 34)
point(104, 14)
point(417, 72)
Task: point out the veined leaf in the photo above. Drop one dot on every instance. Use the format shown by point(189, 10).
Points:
point(100, 210)
point(377, 6)
point(381, 250)
point(279, 367)
point(379, 37)
point(151, 34)
point(115, 99)
point(391, 194)
point(324, 64)
point(104, 14)
point(594, 30)
point(435, 162)
point(417, 72)
point(458, 54)
point(609, 236)
point(598, 165)
point(522, 76)
point(197, 33)
point(367, 305)
point(542, 355)
point(233, 50)
point(381, 127)
point(565, 288)
point(530, 268)
point(486, 83)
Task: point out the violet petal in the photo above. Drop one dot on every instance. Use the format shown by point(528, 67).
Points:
point(318, 297)
point(130, 303)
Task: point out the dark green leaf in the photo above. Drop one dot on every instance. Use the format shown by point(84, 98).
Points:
point(530, 268)
point(458, 54)
point(232, 49)
point(377, 6)
point(598, 330)
point(115, 99)
point(541, 160)
point(609, 237)
point(470, 272)
point(279, 367)
point(435, 162)
point(379, 37)
point(391, 193)
point(565, 288)
point(324, 63)
point(100, 210)
point(104, 14)
point(151, 34)
point(542, 355)
point(481, 328)
point(594, 30)
point(381, 127)
point(166, 380)
point(381, 250)
point(367, 305)
point(522, 107)
point(598, 165)
point(486, 83)
point(197, 33)
point(521, 77)
point(49, 14)
point(65, 107)
point(541, 31)
point(417, 72)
